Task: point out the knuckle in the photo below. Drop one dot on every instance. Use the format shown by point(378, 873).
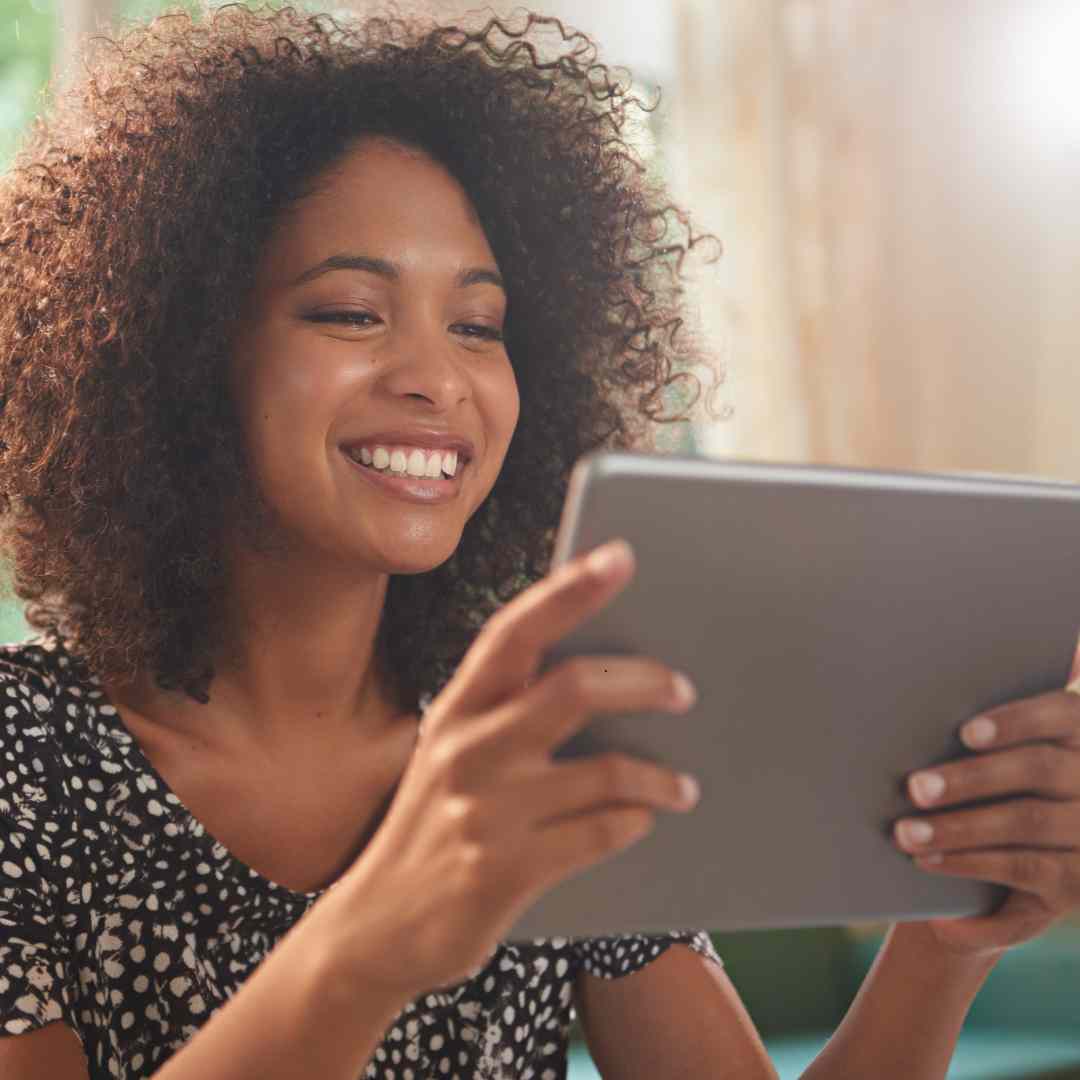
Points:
point(569, 588)
point(441, 755)
point(473, 864)
point(579, 579)
point(1052, 879)
point(478, 740)
point(1071, 884)
point(507, 625)
point(950, 830)
point(605, 832)
point(574, 681)
point(467, 820)
point(640, 820)
point(498, 623)
point(1047, 765)
point(963, 781)
point(1028, 868)
point(611, 830)
point(449, 759)
point(1034, 816)
point(653, 676)
point(1060, 880)
point(617, 774)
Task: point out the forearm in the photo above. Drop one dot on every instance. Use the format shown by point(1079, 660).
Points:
point(300, 1015)
point(906, 1018)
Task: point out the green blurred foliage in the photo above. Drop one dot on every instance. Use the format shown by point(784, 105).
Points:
point(144, 10)
point(27, 37)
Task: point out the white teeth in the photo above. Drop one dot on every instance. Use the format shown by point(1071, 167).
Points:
point(417, 463)
point(414, 462)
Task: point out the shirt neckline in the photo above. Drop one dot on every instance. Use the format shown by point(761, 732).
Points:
point(246, 875)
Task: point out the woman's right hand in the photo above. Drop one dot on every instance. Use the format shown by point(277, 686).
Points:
point(485, 820)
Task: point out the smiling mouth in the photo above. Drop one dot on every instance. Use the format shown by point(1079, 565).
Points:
point(364, 459)
point(406, 485)
point(390, 474)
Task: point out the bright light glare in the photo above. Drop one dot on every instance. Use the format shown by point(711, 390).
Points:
point(1042, 71)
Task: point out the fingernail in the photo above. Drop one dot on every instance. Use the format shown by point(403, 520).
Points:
point(609, 558)
point(979, 732)
point(912, 833)
point(927, 786)
point(689, 789)
point(683, 693)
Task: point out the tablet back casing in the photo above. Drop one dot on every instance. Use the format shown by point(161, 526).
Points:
point(840, 625)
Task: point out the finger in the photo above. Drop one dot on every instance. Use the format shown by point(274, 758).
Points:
point(1046, 769)
point(1049, 875)
point(1053, 715)
point(1015, 918)
point(1035, 823)
point(603, 781)
point(571, 845)
point(507, 651)
point(565, 698)
point(1074, 670)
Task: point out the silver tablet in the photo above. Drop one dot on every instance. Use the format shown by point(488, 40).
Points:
point(840, 626)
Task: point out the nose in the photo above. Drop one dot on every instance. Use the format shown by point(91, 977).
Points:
point(425, 363)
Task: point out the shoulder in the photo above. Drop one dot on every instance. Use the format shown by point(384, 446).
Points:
point(44, 670)
point(30, 676)
point(621, 955)
point(35, 669)
point(37, 657)
point(39, 691)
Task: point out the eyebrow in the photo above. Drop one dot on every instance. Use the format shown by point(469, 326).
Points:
point(476, 275)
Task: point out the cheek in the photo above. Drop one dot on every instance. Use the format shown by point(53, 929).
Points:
point(295, 392)
point(505, 402)
point(300, 387)
point(288, 408)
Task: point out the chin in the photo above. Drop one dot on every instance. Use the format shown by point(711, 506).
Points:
point(416, 568)
point(420, 560)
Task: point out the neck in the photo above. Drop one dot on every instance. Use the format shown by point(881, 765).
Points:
point(296, 666)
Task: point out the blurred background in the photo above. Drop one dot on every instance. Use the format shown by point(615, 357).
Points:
point(896, 185)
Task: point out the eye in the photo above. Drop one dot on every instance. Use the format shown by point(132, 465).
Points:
point(358, 319)
point(478, 330)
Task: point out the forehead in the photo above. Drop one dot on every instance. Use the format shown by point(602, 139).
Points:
point(381, 198)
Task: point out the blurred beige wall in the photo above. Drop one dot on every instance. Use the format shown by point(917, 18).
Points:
point(895, 185)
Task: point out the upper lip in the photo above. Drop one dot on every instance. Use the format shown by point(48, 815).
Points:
point(426, 437)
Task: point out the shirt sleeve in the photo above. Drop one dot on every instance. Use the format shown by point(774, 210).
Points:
point(615, 957)
point(37, 975)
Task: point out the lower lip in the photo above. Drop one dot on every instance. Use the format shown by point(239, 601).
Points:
point(412, 488)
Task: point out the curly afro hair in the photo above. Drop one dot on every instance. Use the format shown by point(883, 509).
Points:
point(131, 224)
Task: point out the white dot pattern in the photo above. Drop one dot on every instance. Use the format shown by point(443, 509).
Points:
point(123, 917)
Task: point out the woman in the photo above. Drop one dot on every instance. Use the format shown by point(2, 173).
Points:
point(304, 328)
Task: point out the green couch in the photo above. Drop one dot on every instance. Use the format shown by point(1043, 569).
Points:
point(797, 984)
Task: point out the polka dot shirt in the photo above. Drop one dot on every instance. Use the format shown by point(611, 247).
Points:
point(121, 916)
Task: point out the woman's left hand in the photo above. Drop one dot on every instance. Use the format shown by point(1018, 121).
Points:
point(1029, 752)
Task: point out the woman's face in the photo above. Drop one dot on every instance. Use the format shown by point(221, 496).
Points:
point(377, 317)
